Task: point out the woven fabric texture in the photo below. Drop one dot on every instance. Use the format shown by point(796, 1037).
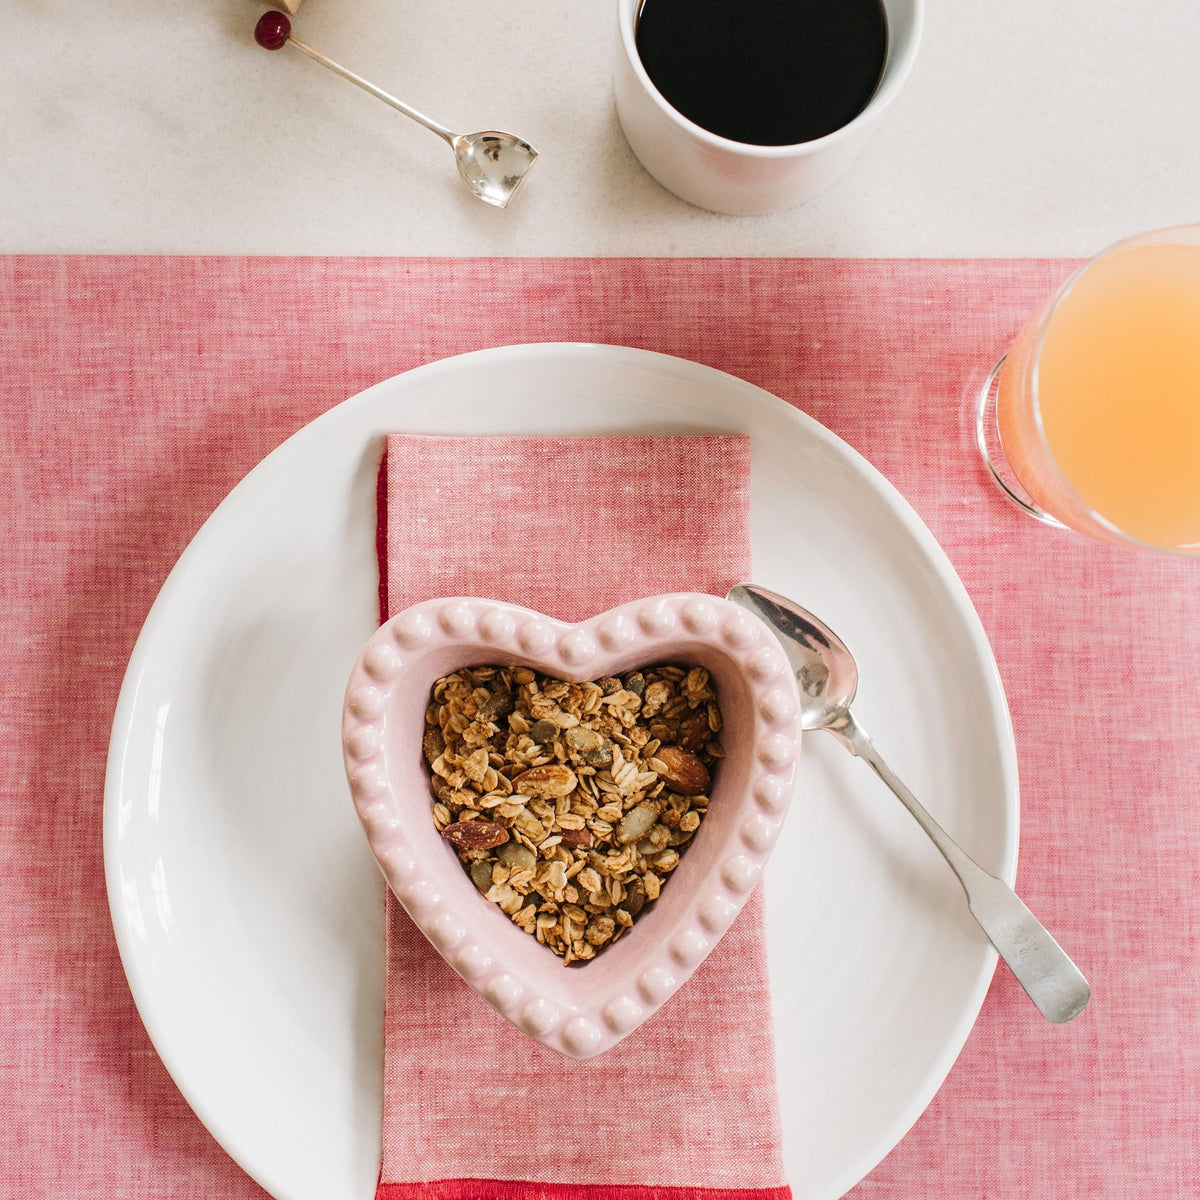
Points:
point(137, 391)
point(572, 527)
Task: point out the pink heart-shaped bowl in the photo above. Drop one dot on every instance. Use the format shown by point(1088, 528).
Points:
point(579, 1011)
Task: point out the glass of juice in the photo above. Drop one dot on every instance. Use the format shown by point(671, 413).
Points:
point(1092, 419)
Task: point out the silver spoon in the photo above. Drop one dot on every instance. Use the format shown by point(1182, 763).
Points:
point(827, 676)
point(492, 164)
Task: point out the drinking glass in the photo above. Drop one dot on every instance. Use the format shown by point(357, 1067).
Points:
point(1091, 421)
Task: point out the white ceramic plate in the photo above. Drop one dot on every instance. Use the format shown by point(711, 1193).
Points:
point(256, 962)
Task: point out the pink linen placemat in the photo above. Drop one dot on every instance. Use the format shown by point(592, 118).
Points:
point(685, 1108)
point(137, 391)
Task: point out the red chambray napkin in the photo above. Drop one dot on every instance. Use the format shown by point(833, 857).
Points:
point(686, 1106)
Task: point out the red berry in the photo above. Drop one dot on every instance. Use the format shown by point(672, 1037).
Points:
point(272, 30)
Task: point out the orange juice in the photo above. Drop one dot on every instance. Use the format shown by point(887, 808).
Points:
point(1099, 398)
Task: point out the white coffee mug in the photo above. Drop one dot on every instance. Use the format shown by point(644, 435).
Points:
point(725, 176)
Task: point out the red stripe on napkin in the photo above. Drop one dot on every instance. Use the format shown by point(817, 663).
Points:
point(685, 1108)
point(491, 1189)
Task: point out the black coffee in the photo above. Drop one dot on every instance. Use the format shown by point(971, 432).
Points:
point(767, 72)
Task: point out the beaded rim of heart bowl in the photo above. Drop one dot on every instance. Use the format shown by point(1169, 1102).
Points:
point(579, 1011)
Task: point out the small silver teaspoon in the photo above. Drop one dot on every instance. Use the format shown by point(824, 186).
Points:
point(492, 164)
point(827, 676)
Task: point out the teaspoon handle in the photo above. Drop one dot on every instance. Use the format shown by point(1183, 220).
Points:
point(1053, 982)
point(407, 109)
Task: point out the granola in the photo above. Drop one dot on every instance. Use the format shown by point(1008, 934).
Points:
point(569, 804)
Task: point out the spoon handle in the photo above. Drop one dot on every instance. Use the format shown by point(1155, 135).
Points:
point(1054, 983)
point(407, 109)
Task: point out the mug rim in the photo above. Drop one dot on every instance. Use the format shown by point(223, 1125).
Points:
point(896, 69)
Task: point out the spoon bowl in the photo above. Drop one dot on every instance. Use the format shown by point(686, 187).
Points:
point(827, 679)
point(492, 164)
point(826, 673)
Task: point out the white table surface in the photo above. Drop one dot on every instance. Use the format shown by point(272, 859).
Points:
point(152, 126)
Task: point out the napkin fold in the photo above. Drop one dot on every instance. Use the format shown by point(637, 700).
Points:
point(685, 1108)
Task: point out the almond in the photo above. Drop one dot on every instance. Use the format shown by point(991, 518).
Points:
point(546, 782)
point(577, 839)
point(684, 773)
point(475, 835)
